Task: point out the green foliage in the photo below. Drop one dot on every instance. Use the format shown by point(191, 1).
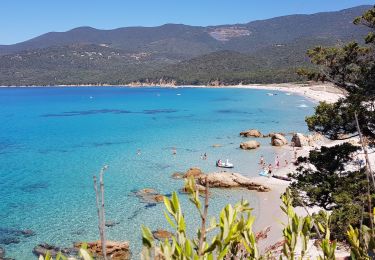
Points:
point(297, 229)
point(83, 255)
point(322, 180)
point(362, 243)
point(233, 237)
point(352, 68)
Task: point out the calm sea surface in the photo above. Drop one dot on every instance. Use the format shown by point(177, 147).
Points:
point(53, 140)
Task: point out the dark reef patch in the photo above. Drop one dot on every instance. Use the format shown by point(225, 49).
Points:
point(13, 236)
point(33, 187)
point(233, 111)
point(88, 112)
point(158, 111)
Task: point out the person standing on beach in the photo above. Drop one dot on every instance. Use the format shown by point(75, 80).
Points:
point(277, 162)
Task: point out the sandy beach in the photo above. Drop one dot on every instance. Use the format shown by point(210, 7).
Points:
point(270, 214)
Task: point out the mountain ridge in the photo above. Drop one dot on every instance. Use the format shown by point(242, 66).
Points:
point(266, 50)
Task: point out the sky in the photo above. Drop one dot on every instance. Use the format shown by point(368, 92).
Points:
point(21, 20)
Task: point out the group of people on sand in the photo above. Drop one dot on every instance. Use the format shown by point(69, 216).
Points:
point(269, 169)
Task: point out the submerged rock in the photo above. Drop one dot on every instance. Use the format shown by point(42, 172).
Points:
point(116, 250)
point(28, 233)
point(2, 253)
point(161, 234)
point(42, 249)
point(273, 134)
point(110, 223)
point(177, 175)
point(299, 140)
point(193, 172)
point(149, 196)
point(251, 133)
point(230, 180)
point(249, 145)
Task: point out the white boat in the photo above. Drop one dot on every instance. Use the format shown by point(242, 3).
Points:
point(222, 164)
point(270, 94)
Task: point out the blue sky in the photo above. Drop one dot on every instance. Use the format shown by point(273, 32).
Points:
point(24, 19)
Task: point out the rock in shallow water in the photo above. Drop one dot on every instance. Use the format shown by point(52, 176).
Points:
point(251, 133)
point(278, 140)
point(116, 250)
point(230, 180)
point(194, 172)
point(249, 145)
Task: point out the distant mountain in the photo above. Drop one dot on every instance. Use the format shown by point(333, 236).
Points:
point(250, 52)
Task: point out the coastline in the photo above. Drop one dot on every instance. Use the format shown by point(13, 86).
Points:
point(317, 92)
point(270, 214)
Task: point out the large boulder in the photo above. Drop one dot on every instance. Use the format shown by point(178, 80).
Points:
point(230, 180)
point(251, 133)
point(114, 249)
point(249, 145)
point(193, 172)
point(299, 140)
point(278, 140)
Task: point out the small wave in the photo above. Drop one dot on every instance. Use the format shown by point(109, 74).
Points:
point(302, 105)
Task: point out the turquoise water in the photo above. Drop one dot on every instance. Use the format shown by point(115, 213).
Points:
point(53, 140)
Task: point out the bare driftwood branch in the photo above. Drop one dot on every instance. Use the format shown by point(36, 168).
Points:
point(99, 194)
point(202, 238)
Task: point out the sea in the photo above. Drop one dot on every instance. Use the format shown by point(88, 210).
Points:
point(53, 140)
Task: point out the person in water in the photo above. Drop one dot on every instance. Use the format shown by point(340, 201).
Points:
point(204, 156)
point(174, 151)
point(269, 170)
point(261, 162)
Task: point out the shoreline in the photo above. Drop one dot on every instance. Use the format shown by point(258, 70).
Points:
point(317, 92)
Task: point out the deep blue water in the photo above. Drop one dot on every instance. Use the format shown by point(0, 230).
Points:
point(53, 140)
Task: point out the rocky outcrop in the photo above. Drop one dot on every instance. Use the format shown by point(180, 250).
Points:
point(161, 234)
point(299, 140)
point(249, 145)
point(149, 196)
point(278, 140)
point(315, 137)
point(114, 249)
point(230, 180)
point(193, 172)
point(251, 133)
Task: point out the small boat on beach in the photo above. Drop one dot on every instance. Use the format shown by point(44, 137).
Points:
point(227, 164)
